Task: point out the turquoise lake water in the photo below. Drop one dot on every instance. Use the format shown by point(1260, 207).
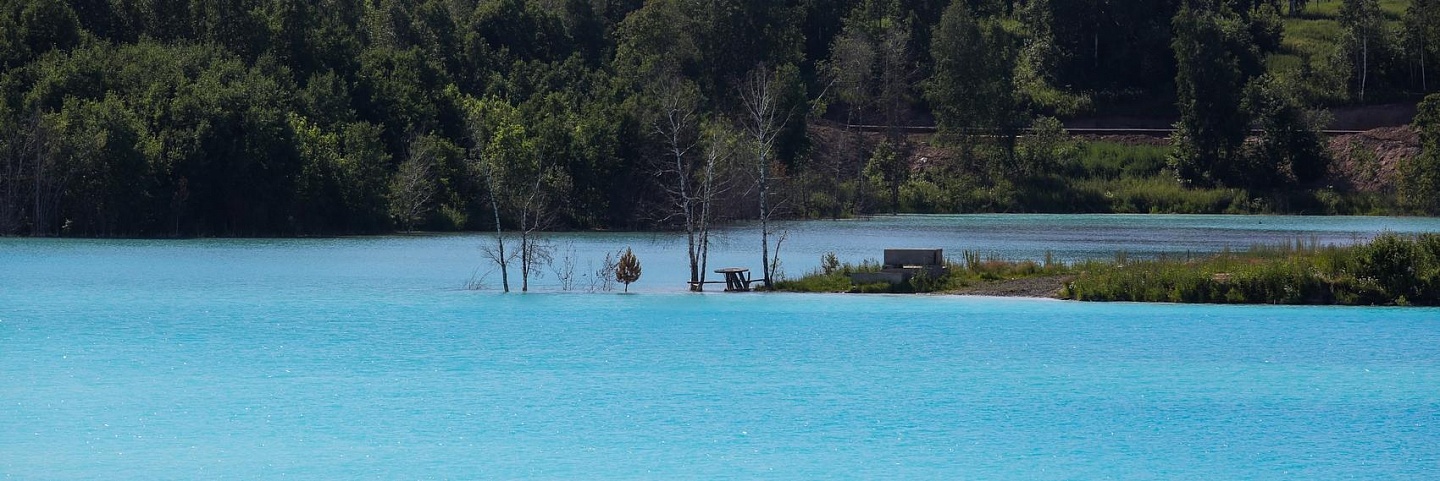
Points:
point(365, 358)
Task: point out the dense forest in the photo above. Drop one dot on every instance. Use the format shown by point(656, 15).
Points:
point(293, 117)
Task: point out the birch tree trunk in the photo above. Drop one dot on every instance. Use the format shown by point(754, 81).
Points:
point(763, 124)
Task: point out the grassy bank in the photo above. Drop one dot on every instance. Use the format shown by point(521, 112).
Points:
point(1111, 177)
point(973, 269)
point(1105, 176)
point(1390, 270)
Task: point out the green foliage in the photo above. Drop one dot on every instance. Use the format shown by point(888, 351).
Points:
point(1046, 149)
point(820, 283)
point(1216, 57)
point(889, 167)
point(1289, 150)
point(1363, 35)
point(1162, 195)
point(972, 90)
point(1115, 50)
point(341, 185)
point(280, 117)
point(1420, 175)
point(30, 29)
point(1109, 160)
point(829, 264)
point(1390, 270)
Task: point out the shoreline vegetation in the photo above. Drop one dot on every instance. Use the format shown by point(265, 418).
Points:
point(1390, 270)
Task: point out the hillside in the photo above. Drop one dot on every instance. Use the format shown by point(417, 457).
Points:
point(275, 117)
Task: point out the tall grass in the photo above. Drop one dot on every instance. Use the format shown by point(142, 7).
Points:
point(1390, 270)
point(1161, 195)
point(971, 268)
point(1113, 160)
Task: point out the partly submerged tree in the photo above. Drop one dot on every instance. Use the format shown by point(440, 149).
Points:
point(524, 187)
point(627, 269)
point(764, 118)
point(494, 138)
point(676, 122)
point(693, 173)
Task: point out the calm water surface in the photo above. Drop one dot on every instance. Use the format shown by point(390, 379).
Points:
point(364, 358)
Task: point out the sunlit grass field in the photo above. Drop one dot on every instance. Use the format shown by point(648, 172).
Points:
point(1316, 31)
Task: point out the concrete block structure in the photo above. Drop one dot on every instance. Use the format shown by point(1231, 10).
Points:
point(901, 265)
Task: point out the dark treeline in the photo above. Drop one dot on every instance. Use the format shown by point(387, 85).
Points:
point(291, 117)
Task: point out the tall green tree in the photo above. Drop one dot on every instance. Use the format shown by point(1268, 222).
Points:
point(1289, 150)
point(1037, 66)
point(1362, 41)
point(872, 65)
point(1421, 25)
point(1420, 175)
point(109, 175)
point(342, 188)
point(1215, 60)
point(972, 89)
point(1115, 49)
point(31, 28)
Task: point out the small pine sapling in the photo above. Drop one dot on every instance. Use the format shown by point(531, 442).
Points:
point(627, 269)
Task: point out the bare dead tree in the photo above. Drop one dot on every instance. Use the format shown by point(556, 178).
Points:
point(604, 276)
point(533, 207)
point(676, 122)
point(692, 181)
point(412, 189)
point(775, 260)
point(763, 121)
point(713, 184)
point(537, 213)
point(496, 254)
point(564, 268)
